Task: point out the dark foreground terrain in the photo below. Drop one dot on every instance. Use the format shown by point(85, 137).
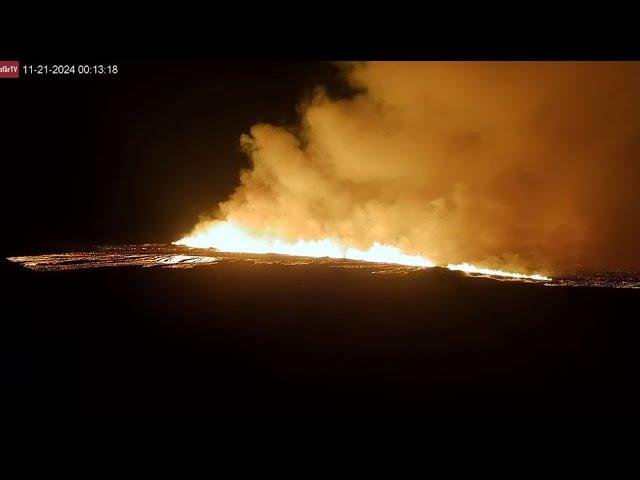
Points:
point(235, 339)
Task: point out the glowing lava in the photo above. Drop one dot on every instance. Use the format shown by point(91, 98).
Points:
point(230, 237)
point(467, 267)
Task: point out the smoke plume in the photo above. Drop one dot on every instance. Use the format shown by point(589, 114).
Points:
point(498, 164)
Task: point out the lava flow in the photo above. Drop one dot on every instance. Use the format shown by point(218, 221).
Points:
point(231, 237)
point(467, 267)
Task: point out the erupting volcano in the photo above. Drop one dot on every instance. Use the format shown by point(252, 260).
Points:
point(291, 240)
point(488, 168)
point(514, 170)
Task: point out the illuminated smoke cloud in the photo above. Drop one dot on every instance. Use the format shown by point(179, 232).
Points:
point(497, 164)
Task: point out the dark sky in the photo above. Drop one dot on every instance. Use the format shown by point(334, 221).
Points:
point(135, 157)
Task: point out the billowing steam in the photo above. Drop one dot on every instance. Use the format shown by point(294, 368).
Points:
point(503, 165)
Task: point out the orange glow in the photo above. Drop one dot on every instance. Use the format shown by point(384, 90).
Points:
point(467, 267)
point(231, 237)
